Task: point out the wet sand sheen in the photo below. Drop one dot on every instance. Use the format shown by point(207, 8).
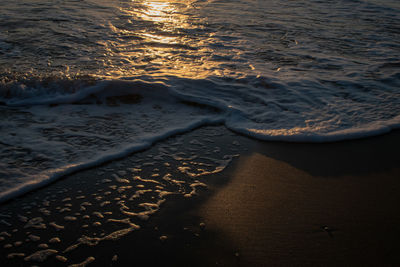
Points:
point(176, 205)
point(76, 219)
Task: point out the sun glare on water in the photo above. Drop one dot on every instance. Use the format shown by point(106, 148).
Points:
point(156, 38)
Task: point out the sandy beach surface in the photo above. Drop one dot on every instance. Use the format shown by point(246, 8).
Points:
point(214, 198)
point(322, 204)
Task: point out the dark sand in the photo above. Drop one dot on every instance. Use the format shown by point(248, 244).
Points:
point(277, 204)
point(313, 204)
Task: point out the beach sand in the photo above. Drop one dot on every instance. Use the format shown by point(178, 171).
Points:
point(274, 204)
point(313, 204)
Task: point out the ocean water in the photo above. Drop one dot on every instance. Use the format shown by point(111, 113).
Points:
point(83, 82)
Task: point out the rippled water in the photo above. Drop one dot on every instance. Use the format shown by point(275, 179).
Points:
point(200, 39)
point(82, 82)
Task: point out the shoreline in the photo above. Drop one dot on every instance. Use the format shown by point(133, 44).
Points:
point(276, 204)
point(148, 144)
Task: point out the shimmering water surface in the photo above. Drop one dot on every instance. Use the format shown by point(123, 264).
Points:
point(83, 82)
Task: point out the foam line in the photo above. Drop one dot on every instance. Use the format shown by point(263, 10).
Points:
point(55, 174)
point(301, 135)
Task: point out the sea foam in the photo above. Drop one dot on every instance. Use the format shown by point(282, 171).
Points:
point(47, 136)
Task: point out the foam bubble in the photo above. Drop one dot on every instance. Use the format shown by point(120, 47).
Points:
point(84, 263)
point(98, 214)
point(54, 240)
point(61, 258)
point(41, 255)
point(194, 186)
point(36, 223)
point(56, 226)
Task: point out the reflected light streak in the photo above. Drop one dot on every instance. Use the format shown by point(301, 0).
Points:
point(156, 38)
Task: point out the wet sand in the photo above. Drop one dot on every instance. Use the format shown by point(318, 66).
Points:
point(275, 204)
point(312, 204)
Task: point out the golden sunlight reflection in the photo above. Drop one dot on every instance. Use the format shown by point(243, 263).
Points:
point(161, 11)
point(157, 38)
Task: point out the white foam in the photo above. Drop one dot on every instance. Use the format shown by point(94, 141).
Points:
point(218, 165)
point(309, 134)
point(300, 112)
point(58, 134)
point(142, 133)
point(93, 241)
point(194, 186)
